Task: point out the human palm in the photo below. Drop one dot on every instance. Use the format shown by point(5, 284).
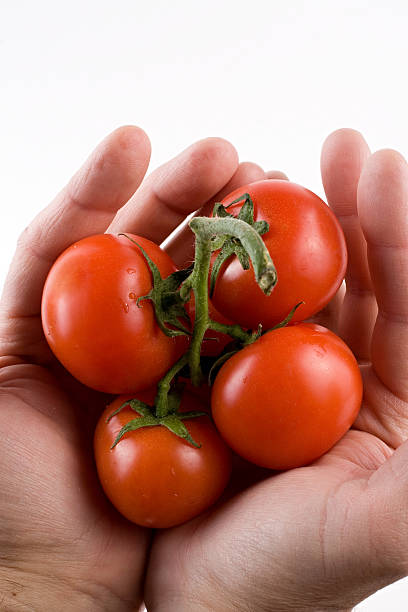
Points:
point(53, 514)
point(327, 535)
point(59, 533)
point(304, 539)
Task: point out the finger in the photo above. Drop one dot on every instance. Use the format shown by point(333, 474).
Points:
point(343, 155)
point(181, 245)
point(276, 174)
point(177, 188)
point(382, 198)
point(86, 206)
point(329, 315)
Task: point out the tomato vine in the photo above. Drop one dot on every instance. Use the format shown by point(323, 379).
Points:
point(233, 235)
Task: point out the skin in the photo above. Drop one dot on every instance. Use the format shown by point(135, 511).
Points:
point(321, 537)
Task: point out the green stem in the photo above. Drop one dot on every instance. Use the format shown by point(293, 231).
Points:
point(205, 229)
point(199, 283)
point(265, 272)
point(163, 387)
point(235, 331)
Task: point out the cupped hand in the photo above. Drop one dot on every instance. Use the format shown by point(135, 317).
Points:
point(325, 536)
point(62, 544)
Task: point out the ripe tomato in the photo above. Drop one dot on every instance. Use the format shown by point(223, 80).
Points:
point(153, 477)
point(286, 399)
point(307, 246)
point(91, 319)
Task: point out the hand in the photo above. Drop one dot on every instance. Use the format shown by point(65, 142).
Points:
point(62, 544)
point(326, 536)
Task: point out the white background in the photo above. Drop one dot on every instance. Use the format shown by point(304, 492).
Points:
point(273, 77)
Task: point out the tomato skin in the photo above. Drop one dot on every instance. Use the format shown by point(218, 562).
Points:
point(286, 399)
point(307, 246)
point(154, 478)
point(91, 319)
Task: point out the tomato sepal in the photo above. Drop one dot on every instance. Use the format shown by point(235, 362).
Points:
point(140, 407)
point(173, 419)
point(287, 319)
point(231, 245)
point(175, 424)
point(144, 421)
point(164, 295)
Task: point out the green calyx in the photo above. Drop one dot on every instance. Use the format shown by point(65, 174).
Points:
point(231, 245)
point(173, 421)
point(165, 298)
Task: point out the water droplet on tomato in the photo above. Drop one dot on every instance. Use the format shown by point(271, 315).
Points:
point(124, 305)
point(132, 296)
point(131, 271)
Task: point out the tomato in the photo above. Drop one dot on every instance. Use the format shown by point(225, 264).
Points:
point(203, 391)
point(91, 319)
point(307, 246)
point(286, 399)
point(153, 477)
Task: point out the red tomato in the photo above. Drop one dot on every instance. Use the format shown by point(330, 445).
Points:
point(307, 246)
point(153, 477)
point(286, 399)
point(92, 321)
point(203, 392)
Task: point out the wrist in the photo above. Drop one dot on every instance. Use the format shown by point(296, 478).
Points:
point(22, 591)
